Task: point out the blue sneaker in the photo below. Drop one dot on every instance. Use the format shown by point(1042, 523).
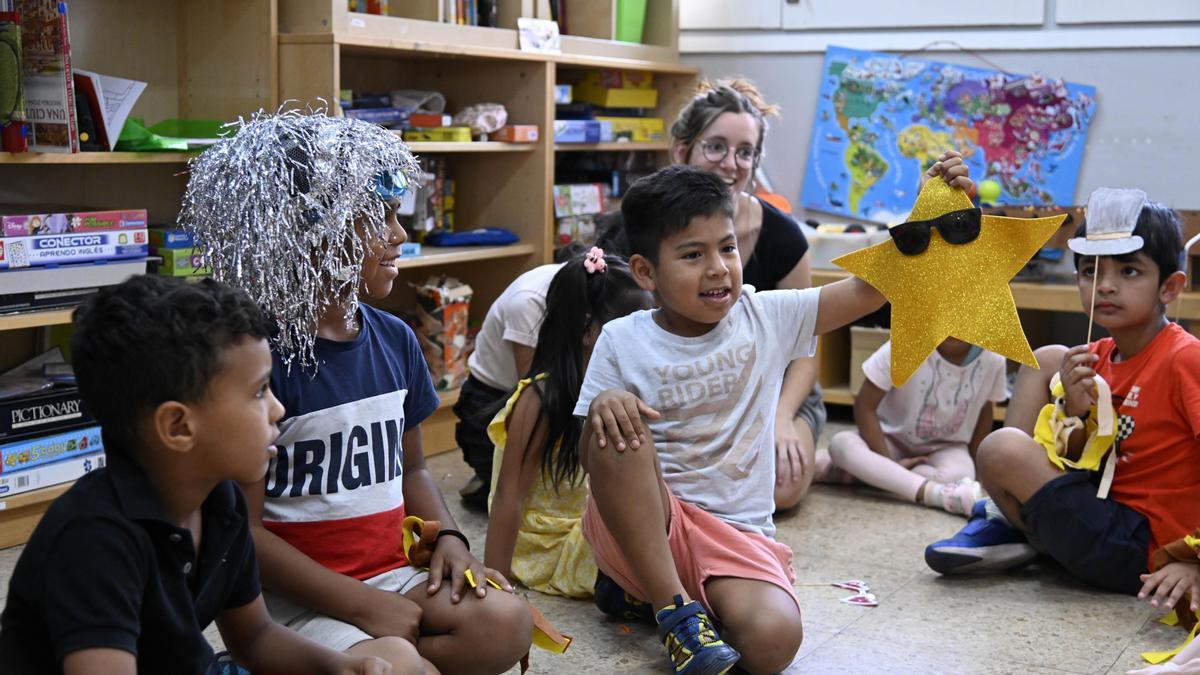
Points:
point(692, 642)
point(615, 602)
point(983, 545)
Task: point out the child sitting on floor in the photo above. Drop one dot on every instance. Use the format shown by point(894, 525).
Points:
point(301, 211)
point(918, 441)
point(130, 565)
point(538, 494)
point(681, 504)
point(1100, 524)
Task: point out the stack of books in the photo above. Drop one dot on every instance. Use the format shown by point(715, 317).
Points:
point(57, 258)
point(46, 436)
point(608, 105)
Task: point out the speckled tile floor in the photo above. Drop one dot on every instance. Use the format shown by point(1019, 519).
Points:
point(1037, 621)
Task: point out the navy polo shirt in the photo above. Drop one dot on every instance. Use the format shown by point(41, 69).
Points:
point(105, 568)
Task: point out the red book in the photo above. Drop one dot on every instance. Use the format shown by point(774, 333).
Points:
point(49, 90)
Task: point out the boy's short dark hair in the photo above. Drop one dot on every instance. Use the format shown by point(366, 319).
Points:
point(153, 339)
point(663, 203)
point(1162, 239)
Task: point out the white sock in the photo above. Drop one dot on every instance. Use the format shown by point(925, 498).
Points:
point(931, 494)
point(994, 513)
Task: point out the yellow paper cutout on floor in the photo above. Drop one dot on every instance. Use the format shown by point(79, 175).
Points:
point(953, 290)
point(1161, 657)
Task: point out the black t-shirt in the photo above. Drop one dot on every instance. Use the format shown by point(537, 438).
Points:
point(780, 246)
point(105, 568)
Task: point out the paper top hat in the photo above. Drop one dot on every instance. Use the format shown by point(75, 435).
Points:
point(1112, 213)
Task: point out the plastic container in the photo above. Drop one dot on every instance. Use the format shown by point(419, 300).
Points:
point(631, 20)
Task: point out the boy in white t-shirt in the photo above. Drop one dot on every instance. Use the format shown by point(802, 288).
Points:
point(679, 440)
point(918, 441)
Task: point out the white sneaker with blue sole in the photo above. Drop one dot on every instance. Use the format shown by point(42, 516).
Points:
point(983, 545)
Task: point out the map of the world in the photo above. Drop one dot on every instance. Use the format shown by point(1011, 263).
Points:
point(883, 119)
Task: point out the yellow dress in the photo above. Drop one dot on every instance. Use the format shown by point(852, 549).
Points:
point(551, 554)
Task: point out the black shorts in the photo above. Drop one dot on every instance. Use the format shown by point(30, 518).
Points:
point(1100, 541)
point(475, 408)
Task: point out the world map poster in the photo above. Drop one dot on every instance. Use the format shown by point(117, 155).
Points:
point(883, 119)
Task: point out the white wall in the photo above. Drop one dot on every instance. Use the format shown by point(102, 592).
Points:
point(1146, 131)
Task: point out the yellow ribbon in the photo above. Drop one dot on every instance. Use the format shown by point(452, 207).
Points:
point(1054, 427)
point(545, 636)
point(1159, 657)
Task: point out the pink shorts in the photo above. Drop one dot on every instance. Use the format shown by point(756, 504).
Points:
point(703, 547)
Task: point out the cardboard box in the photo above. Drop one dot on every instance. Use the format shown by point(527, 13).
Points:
point(619, 79)
point(578, 199)
point(429, 120)
point(863, 343)
point(180, 262)
point(582, 131)
point(443, 305)
point(616, 97)
point(441, 135)
point(170, 237)
point(515, 133)
point(25, 225)
point(638, 129)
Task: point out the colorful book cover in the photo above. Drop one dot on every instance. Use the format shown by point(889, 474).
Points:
point(42, 413)
point(12, 95)
point(49, 90)
point(49, 475)
point(24, 225)
point(53, 249)
point(21, 455)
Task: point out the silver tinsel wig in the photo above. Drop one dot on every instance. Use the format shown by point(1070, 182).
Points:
point(273, 207)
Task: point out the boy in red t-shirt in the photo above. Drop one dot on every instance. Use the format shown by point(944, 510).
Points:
point(1131, 250)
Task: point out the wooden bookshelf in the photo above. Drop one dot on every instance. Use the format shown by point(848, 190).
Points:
point(615, 146)
point(432, 256)
point(35, 319)
point(20, 514)
point(96, 157)
point(439, 147)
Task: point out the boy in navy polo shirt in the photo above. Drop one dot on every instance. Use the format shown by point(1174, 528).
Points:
point(128, 566)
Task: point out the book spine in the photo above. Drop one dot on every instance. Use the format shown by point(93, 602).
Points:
point(49, 475)
point(21, 455)
point(25, 225)
point(54, 249)
point(42, 414)
point(72, 119)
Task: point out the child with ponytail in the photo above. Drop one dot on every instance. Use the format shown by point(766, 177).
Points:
point(538, 493)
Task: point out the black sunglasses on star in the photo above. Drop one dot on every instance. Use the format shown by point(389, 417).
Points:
point(956, 227)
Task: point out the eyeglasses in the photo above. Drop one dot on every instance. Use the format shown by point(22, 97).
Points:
point(956, 227)
point(716, 150)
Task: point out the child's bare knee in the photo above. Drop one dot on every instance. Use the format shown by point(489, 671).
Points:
point(999, 449)
point(767, 640)
point(400, 653)
point(501, 628)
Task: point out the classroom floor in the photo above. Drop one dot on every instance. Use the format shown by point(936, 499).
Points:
point(1037, 621)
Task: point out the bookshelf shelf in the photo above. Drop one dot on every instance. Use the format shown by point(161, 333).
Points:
point(616, 146)
point(27, 158)
point(22, 513)
point(445, 255)
point(35, 319)
point(433, 147)
point(448, 398)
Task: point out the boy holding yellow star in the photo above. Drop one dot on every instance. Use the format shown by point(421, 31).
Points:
point(1134, 396)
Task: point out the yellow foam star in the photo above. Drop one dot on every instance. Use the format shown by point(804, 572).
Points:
point(953, 291)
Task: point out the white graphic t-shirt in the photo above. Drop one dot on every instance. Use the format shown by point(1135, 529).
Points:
point(940, 403)
point(717, 394)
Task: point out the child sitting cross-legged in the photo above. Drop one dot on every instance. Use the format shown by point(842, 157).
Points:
point(679, 440)
point(1100, 521)
point(300, 210)
point(918, 441)
point(127, 567)
point(538, 494)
